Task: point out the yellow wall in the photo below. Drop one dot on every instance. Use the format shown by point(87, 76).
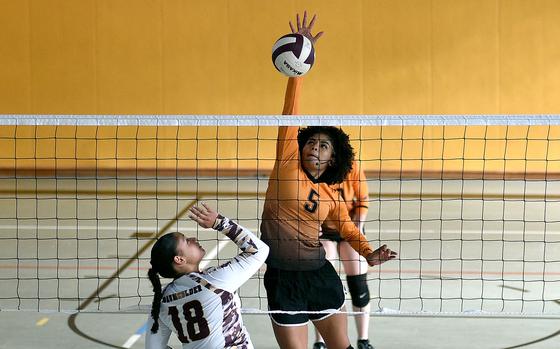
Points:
point(213, 57)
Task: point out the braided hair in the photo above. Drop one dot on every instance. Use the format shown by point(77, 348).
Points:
point(343, 154)
point(163, 252)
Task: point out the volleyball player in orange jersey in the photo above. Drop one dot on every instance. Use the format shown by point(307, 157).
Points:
point(354, 192)
point(299, 199)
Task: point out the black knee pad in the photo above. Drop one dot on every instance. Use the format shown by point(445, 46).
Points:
point(359, 291)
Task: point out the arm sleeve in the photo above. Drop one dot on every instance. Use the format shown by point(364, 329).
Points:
point(231, 275)
point(349, 231)
point(286, 145)
point(159, 339)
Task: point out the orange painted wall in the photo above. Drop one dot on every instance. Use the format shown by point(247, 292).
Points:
point(192, 57)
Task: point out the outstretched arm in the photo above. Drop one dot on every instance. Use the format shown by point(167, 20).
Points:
point(291, 101)
point(288, 135)
point(234, 273)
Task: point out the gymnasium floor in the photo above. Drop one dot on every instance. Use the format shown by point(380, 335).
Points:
point(454, 249)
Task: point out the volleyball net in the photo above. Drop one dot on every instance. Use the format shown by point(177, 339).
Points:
point(470, 203)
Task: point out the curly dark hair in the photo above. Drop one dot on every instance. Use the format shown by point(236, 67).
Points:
point(343, 153)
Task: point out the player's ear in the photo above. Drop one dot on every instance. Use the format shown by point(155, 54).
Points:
point(179, 259)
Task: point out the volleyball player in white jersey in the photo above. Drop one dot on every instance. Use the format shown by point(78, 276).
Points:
point(201, 307)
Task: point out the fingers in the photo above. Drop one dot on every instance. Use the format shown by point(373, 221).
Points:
point(208, 208)
point(381, 255)
point(199, 214)
point(195, 217)
point(387, 251)
point(195, 211)
point(317, 36)
point(303, 27)
point(312, 22)
point(387, 254)
point(204, 215)
point(195, 214)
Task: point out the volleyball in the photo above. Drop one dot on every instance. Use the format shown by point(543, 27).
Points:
point(293, 55)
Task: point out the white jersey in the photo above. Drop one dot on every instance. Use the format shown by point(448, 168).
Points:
point(203, 309)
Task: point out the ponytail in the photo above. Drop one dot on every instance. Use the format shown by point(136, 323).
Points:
point(162, 254)
point(154, 279)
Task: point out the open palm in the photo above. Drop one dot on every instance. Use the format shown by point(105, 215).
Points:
point(304, 29)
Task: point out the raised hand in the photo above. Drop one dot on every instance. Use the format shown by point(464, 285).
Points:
point(205, 216)
point(305, 29)
point(381, 255)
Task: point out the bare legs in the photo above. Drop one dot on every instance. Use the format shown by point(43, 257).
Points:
point(291, 337)
point(333, 329)
point(353, 264)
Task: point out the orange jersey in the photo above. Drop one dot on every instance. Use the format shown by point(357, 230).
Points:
point(296, 205)
point(353, 192)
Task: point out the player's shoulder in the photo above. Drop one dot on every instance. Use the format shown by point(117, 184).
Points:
point(332, 190)
point(207, 271)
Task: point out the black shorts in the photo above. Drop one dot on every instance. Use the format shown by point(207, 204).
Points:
point(309, 290)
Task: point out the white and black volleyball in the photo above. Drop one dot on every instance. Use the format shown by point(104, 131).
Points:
point(293, 55)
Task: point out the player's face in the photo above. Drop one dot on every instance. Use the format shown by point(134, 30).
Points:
point(317, 154)
point(191, 249)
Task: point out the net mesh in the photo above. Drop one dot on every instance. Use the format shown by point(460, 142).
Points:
point(469, 202)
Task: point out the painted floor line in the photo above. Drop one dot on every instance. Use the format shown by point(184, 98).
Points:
point(42, 321)
point(136, 336)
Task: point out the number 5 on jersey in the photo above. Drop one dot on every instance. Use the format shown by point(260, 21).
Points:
point(311, 203)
